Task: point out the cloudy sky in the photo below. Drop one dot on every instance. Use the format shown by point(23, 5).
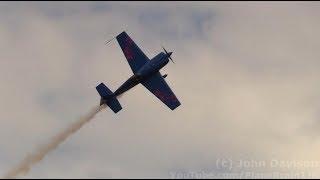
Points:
point(246, 73)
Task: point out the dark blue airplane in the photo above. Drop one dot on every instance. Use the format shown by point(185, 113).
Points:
point(145, 71)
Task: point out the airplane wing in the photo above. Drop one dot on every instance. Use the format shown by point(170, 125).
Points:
point(135, 57)
point(158, 86)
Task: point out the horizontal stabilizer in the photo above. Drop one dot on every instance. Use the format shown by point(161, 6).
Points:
point(104, 91)
point(114, 104)
point(108, 98)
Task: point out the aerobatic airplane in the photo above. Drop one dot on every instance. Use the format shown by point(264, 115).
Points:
point(145, 71)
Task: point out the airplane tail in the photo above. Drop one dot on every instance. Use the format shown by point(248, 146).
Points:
point(107, 97)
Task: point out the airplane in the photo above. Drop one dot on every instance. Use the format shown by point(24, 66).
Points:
point(145, 72)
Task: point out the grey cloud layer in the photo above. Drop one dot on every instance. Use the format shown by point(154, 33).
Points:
point(246, 74)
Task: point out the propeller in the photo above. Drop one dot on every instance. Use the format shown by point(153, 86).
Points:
point(169, 54)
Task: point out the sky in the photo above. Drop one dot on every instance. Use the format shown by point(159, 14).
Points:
point(246, 74)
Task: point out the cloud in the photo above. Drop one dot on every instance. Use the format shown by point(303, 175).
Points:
point(246, 75)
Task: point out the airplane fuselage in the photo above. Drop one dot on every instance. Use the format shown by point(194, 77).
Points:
point(146, 71)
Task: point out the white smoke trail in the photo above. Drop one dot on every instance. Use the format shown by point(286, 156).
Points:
point(24, 166)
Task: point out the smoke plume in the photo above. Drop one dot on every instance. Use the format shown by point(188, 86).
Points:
point(24, 166)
